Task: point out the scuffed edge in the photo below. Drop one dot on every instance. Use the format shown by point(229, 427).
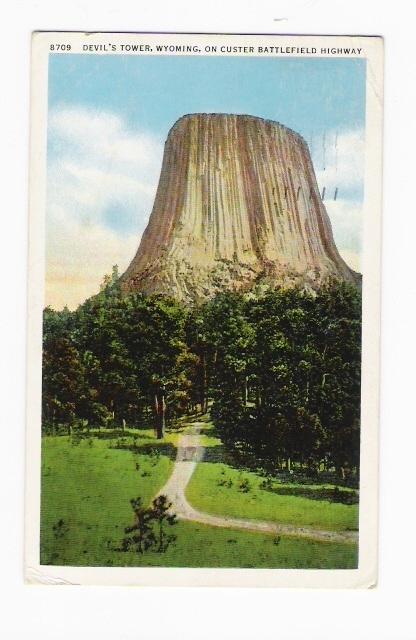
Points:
point(365, 577)
point(36, 577)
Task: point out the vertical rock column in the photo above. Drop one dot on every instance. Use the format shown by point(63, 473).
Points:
point(237, 198)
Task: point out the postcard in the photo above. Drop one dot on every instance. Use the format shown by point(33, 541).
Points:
point(204, 292)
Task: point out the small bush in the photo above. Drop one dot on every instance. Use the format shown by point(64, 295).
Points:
point(60, 529)
point(154, 456)
point(149, 528)
point(224, 482)
point(266, 484)
point(244, 485)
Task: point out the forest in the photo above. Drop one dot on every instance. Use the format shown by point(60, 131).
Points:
point(279, 372)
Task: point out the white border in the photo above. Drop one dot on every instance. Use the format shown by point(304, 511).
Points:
point(365, 575)
point(384, 612)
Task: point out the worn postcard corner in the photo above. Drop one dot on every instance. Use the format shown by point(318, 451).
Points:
point(204, 288)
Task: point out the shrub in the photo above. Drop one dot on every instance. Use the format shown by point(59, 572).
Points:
point(141, 536)
point(244, 485)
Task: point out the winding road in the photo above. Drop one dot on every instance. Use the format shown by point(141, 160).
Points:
point(190, 452)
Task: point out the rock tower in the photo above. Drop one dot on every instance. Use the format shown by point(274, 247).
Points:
point(237, 206)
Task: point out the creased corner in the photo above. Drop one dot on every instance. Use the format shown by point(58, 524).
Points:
point(33, 576)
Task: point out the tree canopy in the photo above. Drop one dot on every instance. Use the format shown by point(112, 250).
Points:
point(279, 372)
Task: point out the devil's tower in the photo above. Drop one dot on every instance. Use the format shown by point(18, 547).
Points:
point(237, 204)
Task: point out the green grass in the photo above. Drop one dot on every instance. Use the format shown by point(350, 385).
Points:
point(206, 435)
point(209, 441)
point(89, 486)
point(202, 546)
point(217, 488)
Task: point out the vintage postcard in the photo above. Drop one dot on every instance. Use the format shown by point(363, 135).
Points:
point(203, 358)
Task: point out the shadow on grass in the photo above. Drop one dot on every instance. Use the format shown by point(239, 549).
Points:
point(199, 417)
point(216, 453)
point(331, 495)
point(109, 434)
point(177, 424)
point(150, 449)
point(207, 431)
point(176, 428)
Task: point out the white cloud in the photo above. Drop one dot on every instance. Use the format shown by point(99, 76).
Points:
point(352, 259)
point(339, 167)
point(78, 259)
point(346, 221)
point(102, 179)
point(95, 159)
point(339, 163)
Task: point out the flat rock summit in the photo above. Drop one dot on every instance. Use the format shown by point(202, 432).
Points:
point(237, 207)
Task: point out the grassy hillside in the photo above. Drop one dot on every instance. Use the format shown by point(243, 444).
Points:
point(219, 489)
point(87, 485)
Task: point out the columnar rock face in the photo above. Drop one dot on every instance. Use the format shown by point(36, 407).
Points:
point(237, 206)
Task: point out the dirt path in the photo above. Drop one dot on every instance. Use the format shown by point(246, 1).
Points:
point(190, 452)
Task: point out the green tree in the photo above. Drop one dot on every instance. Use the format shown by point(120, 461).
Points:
point(64, 390)
point(160, 512)
point(230, 337)
point(339, 385)
point(102, 323)
point(300, 353)
point(156, 342)
point(139, 536)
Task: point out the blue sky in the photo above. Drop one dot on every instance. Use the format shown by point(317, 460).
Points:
point(108, 118)
point(152, 92)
